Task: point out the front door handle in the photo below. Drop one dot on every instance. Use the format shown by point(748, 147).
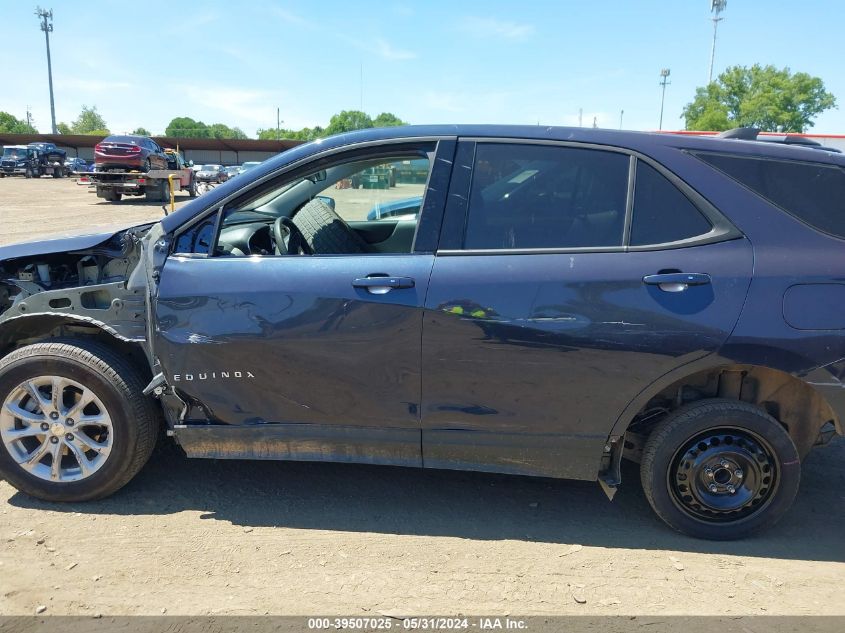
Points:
point(382, 284)
point(676, 282)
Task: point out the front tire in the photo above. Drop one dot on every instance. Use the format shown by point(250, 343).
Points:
point(720, 469)
point(74, 423)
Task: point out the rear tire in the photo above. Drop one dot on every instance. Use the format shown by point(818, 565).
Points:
point(28, 173)
point(94, 459)
point(720, 469)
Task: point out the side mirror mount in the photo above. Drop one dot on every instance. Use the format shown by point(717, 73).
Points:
point(319, 176)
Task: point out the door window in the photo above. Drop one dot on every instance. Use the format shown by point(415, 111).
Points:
point(366, 205)
point(662, 213)
point(537, 196)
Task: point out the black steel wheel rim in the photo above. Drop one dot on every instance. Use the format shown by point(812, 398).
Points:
point(723, 475)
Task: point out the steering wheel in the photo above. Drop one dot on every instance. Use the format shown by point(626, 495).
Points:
point(288, 238)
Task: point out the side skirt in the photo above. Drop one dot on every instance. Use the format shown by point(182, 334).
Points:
point(302, 442)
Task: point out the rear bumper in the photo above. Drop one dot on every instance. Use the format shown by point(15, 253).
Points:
point(834, 395)
point(112, 162)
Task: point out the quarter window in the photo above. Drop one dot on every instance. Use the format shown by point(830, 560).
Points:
point(812, 192)
point(661, 212)
point(536, 196)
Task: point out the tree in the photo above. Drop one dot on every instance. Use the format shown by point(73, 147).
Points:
point(387, 119)
point(219, 130)
point(91, 122)
point(764, 97)
point(186, 127)
point(64, 128)
point(305, 134)
point(141, 131)
point(345, 121)
point(12, 125)
point(348, 120)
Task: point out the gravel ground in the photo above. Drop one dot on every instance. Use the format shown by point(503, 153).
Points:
point(217, 537)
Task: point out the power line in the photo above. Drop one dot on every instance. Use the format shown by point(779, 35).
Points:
point(46, 17)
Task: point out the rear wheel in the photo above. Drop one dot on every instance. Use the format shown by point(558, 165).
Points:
point(28, 172)
point(720, 469)
point(74, 422)
point(192, 188)
point(147, 166)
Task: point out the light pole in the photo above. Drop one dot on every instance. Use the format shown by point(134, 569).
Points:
point(47, 26)
point(664, 79)
point(716, 7)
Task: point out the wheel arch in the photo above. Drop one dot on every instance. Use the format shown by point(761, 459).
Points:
point(40, 327)
point(797, 405)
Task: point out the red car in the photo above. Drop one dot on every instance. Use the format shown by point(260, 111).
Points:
point(129, 152)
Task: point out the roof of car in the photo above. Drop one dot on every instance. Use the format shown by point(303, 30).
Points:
point(643, 142)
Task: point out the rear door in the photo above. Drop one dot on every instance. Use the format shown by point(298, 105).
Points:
point(568, 279)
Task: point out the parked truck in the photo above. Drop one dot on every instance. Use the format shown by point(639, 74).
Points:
point(33, 160)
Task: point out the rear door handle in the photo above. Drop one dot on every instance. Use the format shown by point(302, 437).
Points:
point(676, 282)
point(382, 284)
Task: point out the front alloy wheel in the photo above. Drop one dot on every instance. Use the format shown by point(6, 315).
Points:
point(74, 422)
point(56, 429)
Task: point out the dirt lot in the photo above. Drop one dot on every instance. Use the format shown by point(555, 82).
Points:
point(214, 537)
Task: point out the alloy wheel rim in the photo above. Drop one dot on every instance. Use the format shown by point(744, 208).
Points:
point(56, 429)
point(723, 475)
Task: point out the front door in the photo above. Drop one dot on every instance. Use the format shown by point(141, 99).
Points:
point(564, 293)
point(313, 354)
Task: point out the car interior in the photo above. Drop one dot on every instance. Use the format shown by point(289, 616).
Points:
point(301, 218)
point(548, 204)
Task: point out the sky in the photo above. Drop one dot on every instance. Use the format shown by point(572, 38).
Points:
point(429, 61)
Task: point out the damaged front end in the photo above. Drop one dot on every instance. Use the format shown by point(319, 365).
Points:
point(99, 286)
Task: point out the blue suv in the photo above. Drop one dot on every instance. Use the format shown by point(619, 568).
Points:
point(549, 302)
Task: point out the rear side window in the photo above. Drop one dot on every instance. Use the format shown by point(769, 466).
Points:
point(536, 196)
point(812, 192)
point(661, 212)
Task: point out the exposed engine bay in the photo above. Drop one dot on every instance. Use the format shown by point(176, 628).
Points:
point(88, 285)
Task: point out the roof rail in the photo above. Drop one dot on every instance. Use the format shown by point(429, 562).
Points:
point(741, 133)
point(753, 134)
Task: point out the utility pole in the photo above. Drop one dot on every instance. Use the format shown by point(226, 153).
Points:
point(580, 115)
point(47, 26)
point(28, 116)
point(716, 7)
point(278, 124)
point(664, 79)
point(621, 114)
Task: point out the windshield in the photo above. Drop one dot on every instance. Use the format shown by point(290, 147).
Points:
point(13, 152)
point(211, 168)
